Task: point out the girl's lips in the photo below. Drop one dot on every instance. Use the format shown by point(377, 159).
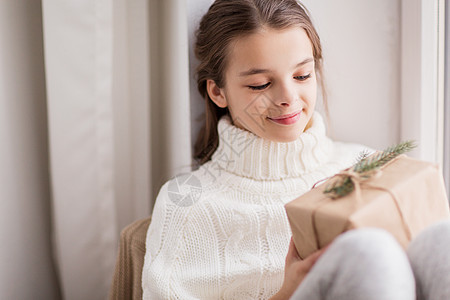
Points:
point(287, 119)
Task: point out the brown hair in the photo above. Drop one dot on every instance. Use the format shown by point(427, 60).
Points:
point(225, 21)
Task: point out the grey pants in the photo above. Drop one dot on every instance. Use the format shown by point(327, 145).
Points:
point(369, 264)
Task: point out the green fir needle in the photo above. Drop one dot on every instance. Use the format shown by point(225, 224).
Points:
point(366, 164)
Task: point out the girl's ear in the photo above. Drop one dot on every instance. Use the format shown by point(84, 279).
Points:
point(216, 94)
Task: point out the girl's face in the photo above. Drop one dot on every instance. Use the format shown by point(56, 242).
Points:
point(270, 83)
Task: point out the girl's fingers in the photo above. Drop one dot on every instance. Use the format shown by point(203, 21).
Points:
point(311, 259)
point(314, 257)
point(292, 254)
point(318, 254)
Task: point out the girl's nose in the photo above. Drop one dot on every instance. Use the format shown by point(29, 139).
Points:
point(285, 95)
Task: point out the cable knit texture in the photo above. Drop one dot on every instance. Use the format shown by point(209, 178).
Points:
point(228, 238)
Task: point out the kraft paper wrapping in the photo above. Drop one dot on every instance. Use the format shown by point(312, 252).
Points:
point(403, 197)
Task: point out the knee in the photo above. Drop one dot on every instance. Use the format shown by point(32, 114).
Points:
point(436, 233)
point(428, 253)
point(431, 239)
point(436, 230)
point(375, 253)
point(365, 244)
point(367, 239)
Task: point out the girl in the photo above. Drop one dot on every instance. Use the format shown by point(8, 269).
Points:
point(263, 144)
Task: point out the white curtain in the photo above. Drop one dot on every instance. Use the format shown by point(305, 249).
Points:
point(94, 117)
point(26, 265)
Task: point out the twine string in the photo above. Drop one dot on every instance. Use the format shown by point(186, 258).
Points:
point(361, 180)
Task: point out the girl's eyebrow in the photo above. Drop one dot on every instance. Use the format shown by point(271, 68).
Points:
point(259, 71)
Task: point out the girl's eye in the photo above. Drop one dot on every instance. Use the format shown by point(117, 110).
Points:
point(259, 87)
point(303, 77)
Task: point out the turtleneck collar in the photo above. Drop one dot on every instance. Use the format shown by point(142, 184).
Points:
point(245, 154)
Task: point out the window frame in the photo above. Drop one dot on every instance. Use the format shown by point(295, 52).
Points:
point(422, 82)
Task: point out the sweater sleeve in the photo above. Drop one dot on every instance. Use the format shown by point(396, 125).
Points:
point(164, 238)
point(181, 248)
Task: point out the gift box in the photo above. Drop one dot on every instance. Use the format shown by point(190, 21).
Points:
point(403, 197)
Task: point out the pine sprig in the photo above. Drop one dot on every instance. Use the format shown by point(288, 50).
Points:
point(382, 158)
point(363, 154)
point(344, 187)
point(366, 164)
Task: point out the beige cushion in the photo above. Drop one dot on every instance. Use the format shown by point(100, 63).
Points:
point(130, 260)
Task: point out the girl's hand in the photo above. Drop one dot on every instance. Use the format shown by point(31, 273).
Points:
point(296, 270)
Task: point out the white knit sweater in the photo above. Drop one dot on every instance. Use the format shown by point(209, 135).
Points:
point(221, 232)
